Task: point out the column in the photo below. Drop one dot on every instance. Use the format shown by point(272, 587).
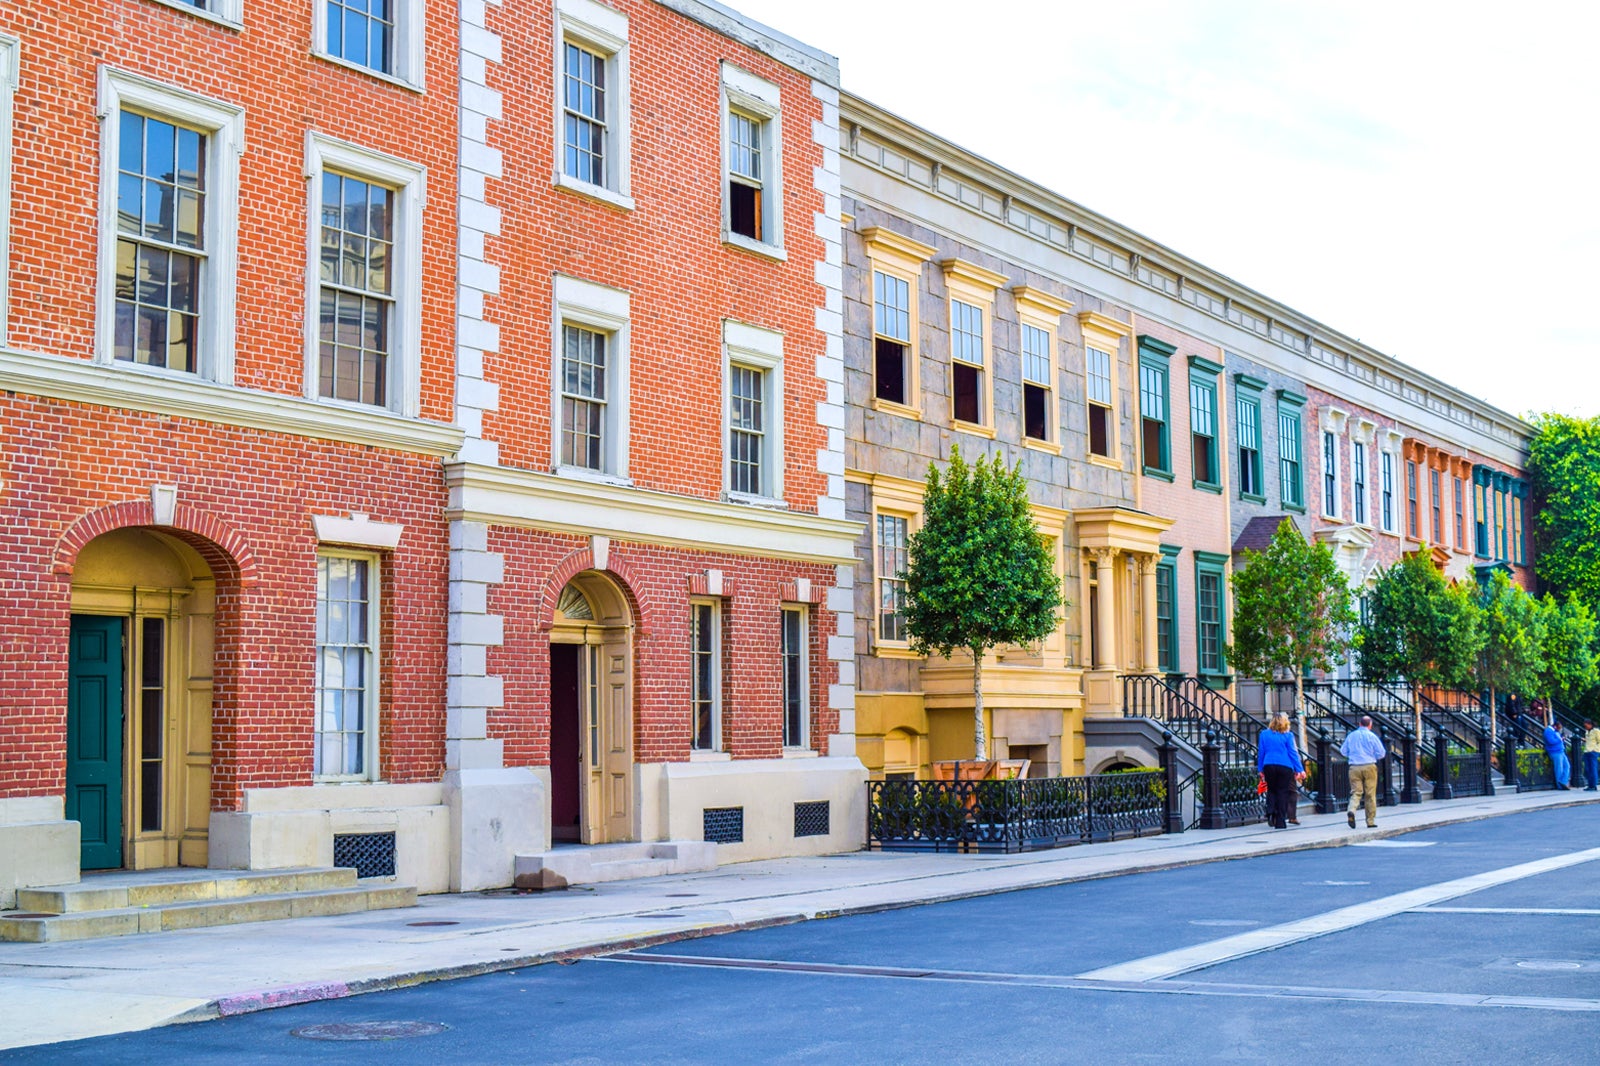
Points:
point(1105, 648)
point(1147, 592)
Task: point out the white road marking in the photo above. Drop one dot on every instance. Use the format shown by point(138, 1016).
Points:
point(1580, 911)
point(1394, 844)
point(1184, 960)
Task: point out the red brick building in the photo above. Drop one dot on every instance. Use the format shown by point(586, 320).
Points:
point(650, 563)
point(228, 375)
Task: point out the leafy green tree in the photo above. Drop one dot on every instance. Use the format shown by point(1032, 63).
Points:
point(1564, 462)
point(1571, 669)
point(981, 574)
point(1512, 659)
point(1292, 611)
point(1420, 628)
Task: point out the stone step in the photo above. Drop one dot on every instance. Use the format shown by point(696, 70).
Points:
point(106, 892)
point(598, 863)
point(195, 914)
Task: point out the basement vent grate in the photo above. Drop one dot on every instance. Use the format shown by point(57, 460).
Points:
point(724, 825)
point(811, 819)
point(372, 854)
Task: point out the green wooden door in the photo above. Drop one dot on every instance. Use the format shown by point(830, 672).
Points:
point(94, 738)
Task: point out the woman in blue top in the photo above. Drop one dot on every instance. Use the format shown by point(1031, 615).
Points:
point(1278, 760)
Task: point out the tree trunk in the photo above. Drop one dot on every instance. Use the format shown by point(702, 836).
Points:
point(980, 747)
point(1492, 722)
point(1300, 706)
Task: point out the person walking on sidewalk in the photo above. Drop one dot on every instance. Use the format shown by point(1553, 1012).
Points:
point(1278, 761)
point(1363, 751)
point(1555, 746)
point(1591, 757)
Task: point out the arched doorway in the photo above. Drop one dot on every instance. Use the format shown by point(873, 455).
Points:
point(139, 677)
point(591, 713)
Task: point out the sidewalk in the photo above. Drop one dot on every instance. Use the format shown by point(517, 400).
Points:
point(73, 990)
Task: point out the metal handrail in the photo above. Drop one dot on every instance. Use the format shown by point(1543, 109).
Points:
point(1153, 696)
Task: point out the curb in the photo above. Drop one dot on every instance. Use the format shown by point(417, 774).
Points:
point(315, 992)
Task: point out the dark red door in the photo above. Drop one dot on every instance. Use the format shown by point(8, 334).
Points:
point(566, 741)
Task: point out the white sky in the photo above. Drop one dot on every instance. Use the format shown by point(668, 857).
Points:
point(1420, 175)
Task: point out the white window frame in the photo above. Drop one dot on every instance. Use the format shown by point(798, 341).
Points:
point(975, 286)
point(803, 742)
point(229, 13)
point(759, 349)
point(1330, 420)
point(1105, 334)
point(602, 30)
point(10, 62)
point(716, 673)
point(410, 36)
point(1360, 509)
point(758, 99)
point(409, 182)
point(605, 310)
point(372, 730)
point(223, 125)
point(1386, 470)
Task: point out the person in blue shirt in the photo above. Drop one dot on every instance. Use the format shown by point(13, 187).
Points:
point(1278, 760)
point(1555, 746)
point(1363, 751)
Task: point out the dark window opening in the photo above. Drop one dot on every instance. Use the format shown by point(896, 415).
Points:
point(1035, 417)
point(1100, 430)
point(1204, 468)
point(1249, 478)
point(891, 370)
point(744, 210)
point(1153, 431)
point(968, 404)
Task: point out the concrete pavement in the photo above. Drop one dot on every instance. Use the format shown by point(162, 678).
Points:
point(73, 990)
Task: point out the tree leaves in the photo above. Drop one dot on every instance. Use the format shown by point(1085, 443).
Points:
point(1564, 463)
point(1419, 627)
point(1292, 608)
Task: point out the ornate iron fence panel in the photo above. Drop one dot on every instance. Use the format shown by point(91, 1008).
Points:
point(1241, 803)
point(1009, 816)
point(1467, 771)
point(1534, 771)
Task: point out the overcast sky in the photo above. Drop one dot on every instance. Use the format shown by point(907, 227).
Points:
point(1421, 176)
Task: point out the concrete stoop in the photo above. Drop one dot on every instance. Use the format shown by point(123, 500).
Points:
point(595, 863)
point(121, 904)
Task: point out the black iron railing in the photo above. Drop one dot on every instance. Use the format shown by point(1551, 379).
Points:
point(1018, 815)
point(1153, 696)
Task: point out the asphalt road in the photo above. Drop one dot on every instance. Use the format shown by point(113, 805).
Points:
point(1313, 957)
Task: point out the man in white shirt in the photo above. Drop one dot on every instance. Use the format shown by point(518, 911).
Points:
point(1363, 751)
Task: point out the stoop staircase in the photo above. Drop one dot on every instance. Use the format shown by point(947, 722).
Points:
point(154, 901)
point(595, 863)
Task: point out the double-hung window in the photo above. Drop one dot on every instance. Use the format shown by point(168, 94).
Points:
point(892, 539)
point(1154, 429)
point(753, 200)
point(1210, 571)
point(1330, 474)
point(168, 227)
point(1480, 511)
point(1413, 529)
point(592, 104)
point(1461, 526)
point(365, 341)
point(1037, 393)
point(1166, 599)
point(228, 11)
point(1291, 471)
point(590, 431)
point(1386, 490)
point(1204, 428)
point(9, 48)
point(1436, 504)
point(705, 672)
point(754, 374)
point(347, 667)
point(1102, 338)
point(383, 37)
point(972, 293)
point(796, 676)
point(1358, 481)
point(896, 276)
point(1248, 404)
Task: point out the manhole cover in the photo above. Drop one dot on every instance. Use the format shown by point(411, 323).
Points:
point(683, 895)
point(367, 1030)
point(1223, 922)
point(1548, 964)
point(38, 914)
point(1337, 884)
point(422, 924)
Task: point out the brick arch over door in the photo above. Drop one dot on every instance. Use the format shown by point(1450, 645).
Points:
point(225, 550)
point(616, 568)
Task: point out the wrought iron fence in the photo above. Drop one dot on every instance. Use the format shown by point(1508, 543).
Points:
point(1240, 802)
point(1534, 771)
point(1018, 815)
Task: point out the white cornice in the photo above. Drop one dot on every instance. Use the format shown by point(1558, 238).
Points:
point(508, 497)
point(129, 388)
point(1326, 347)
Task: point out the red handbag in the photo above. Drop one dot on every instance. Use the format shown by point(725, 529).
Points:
point(1261, 785)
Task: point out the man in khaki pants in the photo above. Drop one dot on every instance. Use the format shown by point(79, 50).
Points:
point(1363, 750)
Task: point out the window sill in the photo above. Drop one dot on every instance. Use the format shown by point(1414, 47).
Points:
point(740, 242)
point(206, 16)
point(1041, 446)
point(1250, 497)
point(709, 756)
point(771, 503)
point(972, 427)
point(890, 407)
point(1215, 682)
point(376, 75)
point(1159, 475)
point(1105, 461)
point(356, 779)
point(1395, 533)
point(1208, 486)
point(1297, 508)
point(801, 753)
point(583, 473)
point(615, 199)
point(894, 651)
